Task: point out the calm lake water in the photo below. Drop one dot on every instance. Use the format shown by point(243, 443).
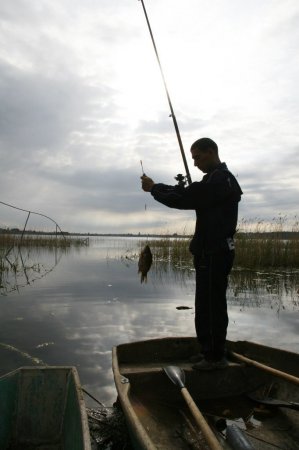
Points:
point(72, 308)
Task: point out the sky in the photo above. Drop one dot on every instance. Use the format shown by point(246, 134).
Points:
point(82, 102)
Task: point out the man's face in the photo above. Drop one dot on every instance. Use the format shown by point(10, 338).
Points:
point(203, 159)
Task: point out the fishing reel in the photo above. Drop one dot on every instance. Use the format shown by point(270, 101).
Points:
point(181, 179)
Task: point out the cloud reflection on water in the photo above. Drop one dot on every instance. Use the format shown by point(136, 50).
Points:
point(93, 300)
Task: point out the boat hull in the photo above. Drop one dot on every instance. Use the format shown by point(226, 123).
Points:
point(153, 406)
point(43, 407)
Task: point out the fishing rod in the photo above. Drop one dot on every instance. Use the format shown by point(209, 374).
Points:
point(179, 177)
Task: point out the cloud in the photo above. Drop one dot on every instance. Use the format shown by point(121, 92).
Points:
point(39, 112)
point(82, 102)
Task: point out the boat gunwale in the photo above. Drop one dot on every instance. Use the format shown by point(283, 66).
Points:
point(123, 388)
point(122, 361)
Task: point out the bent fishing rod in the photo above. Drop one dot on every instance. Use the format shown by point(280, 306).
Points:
point(179, 177)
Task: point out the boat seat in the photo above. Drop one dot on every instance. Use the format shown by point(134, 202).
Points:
point(135, 368)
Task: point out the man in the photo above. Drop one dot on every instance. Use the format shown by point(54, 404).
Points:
point(215, 200)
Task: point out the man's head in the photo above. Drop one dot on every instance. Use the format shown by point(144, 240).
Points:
point(205, 154)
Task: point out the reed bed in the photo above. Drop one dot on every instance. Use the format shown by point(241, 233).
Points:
point(255, 252)
point(40, 241)
point(170, 249)
point(258, 246)
point(268, 245)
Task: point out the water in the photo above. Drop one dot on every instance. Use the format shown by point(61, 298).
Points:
point(71, 309)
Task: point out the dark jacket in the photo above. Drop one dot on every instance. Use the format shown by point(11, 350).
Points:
point(215, 199)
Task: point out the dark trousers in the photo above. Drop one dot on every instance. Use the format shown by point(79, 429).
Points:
point(211, 319)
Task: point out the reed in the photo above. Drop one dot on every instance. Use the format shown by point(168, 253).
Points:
point(38, 241)
point(169, 249)
point(259, 245)
point(267, 245)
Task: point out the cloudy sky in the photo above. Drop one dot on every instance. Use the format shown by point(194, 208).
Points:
point(82, 102)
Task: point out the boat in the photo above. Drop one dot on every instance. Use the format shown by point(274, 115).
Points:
point(43, 408)
point(250, 404)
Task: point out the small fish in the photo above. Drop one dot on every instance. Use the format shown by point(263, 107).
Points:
point(144, 263)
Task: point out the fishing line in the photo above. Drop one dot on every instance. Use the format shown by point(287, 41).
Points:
point(143, 174)
point(168, 98)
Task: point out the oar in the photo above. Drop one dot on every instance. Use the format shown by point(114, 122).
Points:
point(177, 376)
point(274, 402)
point(278, 373)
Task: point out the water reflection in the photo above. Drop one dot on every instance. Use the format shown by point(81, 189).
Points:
point(275, 290)
point(93, 300)
point(21, 266)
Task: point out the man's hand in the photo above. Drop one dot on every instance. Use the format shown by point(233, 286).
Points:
point(146, 183)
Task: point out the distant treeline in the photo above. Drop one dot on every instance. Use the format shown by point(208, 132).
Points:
point(249, 234)
point(51, 233)
point(269, 234)
point(18, 231)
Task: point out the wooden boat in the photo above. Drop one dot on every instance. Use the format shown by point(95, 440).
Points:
point(157, 413)
point(43, 408)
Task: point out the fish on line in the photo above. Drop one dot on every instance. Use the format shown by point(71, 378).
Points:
point(144, 263)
